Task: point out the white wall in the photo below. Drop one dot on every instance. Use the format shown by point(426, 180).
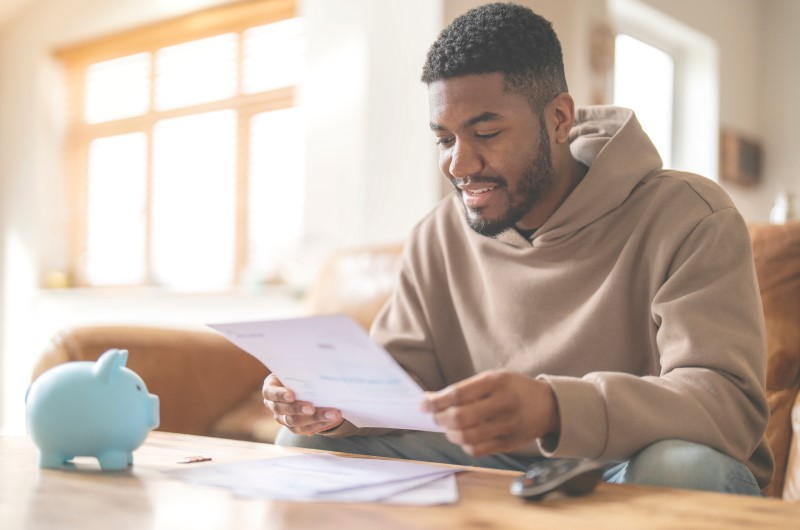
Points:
point(780, 108)
point(371, 162)
point(3, 207)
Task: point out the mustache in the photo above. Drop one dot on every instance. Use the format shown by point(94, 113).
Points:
point(456, 182)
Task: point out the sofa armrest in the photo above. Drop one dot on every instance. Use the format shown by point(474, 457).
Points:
point(197, 375)
point(791, 484)
point(776, 251)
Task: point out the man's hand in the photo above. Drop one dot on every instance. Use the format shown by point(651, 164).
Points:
point(495, 411)
point(300, 417)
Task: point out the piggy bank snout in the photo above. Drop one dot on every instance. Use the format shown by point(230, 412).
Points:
point(154, 411)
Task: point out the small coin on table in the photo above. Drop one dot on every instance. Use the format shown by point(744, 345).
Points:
point(194, 459)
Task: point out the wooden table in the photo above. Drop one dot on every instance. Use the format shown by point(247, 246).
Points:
point(142, 497)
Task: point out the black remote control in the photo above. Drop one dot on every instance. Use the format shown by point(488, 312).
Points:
point(570, 476)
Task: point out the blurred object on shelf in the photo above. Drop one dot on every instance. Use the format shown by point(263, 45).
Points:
point(784, 209)
point(739, 159)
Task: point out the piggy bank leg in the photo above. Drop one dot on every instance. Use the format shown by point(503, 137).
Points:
point(114, 460)
point(52, 460)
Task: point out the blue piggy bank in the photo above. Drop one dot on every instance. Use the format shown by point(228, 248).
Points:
point(99, 409)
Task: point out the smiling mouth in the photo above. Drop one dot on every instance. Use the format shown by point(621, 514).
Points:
point(478, 191)
point(478, 185)
point(477, 195)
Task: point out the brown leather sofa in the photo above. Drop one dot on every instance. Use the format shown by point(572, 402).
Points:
point(776, 250)
point(208, 386)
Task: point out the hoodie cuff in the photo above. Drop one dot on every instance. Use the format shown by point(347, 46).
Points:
point(584, 425)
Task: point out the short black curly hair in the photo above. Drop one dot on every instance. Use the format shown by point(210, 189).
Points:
point(502, 37)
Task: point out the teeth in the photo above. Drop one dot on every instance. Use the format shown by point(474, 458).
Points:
point(479, 191)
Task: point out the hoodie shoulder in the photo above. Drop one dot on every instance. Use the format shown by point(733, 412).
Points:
point(694, 186)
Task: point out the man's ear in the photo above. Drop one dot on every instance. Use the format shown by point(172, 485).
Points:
point(561, 116)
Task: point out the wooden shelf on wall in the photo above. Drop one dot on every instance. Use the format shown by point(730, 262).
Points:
point(740, 159)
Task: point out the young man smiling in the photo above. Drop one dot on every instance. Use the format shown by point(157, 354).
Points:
point(572, 299)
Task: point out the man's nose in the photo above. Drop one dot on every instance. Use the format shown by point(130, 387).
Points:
point(464, 160)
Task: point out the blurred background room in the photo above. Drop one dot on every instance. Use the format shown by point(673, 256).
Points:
point(180, 162)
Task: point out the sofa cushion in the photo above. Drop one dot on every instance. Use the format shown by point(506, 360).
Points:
point(776, 250)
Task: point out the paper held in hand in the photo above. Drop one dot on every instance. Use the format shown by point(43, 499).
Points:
point(331, 362)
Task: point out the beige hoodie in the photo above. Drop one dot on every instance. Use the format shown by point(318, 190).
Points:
point(636, 301)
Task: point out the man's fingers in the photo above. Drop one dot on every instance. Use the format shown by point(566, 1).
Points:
point(489, 438)
point(486, 408)
point(465, 391)
point(498, 428)
point(315, 428)
point(286, 409)
point(320, 420)
point(490, 447)
point(273, 390)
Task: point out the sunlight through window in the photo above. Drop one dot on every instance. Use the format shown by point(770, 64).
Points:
point(643, 81)
point(119, 88)
point(264, 69)
point(194, 200)
point(196, 72)
point(116, 209)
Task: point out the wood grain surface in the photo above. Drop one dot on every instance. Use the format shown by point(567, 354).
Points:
point(144, 497)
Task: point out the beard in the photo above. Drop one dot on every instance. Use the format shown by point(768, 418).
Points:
point(535, 182)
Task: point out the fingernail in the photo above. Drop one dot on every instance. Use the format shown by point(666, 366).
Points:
point(330, 415)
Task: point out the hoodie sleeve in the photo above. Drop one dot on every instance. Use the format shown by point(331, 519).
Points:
point(709, 332)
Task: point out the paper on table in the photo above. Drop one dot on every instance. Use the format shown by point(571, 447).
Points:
point(331, 362)
point(329, 478)
point(425, 491)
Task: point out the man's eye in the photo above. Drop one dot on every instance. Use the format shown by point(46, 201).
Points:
point(486, 136)
point(447, 140)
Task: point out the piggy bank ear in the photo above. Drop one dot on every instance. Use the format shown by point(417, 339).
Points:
point(108, 365)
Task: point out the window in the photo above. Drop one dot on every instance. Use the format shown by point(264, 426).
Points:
point(185, 147)
point(643, 81)
point(668, 73)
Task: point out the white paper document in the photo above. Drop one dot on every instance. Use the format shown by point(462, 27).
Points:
point(328, 478)
point(331, 362)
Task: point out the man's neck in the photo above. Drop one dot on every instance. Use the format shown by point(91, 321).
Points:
point(527, 233)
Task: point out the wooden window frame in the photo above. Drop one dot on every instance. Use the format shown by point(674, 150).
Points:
point(231, 18)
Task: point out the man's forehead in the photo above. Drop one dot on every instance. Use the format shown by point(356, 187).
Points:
point(471, 98)
point(468, 86)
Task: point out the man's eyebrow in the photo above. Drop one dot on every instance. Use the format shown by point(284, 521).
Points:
point(486, 116)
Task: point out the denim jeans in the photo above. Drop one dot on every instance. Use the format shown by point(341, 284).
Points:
point(668, 463)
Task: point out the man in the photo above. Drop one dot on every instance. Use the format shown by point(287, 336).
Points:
point(572, 299)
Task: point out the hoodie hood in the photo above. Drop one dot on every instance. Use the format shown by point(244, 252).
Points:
point(619, 154)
